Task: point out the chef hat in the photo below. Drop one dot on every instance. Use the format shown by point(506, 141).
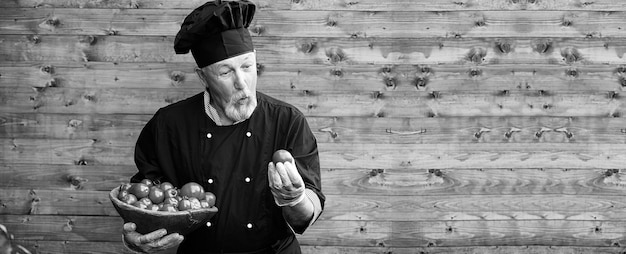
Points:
point(216, 31)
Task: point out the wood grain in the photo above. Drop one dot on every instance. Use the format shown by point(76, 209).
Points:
point(341, 24)
point(516, 207)
point(492, 78)
point(580, 233)
point(350, 130)
point(363, 5)
point(50, 247)
point(325, 103)
point(324, 51)
point(384, 156)
point(600, 182)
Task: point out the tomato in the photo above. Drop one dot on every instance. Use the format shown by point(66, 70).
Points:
point(282, 156)
point(195, 203)
point(156, 195)
point(129, 199)
point(140, 204)
point(166, 186)
point(209, 197)
point(204, 204)
point(171, 201)
point(153, 207)
point(122, 194)
point(170, 193)
point(184, 205)
point(140, 190)
point(125, 187)
point(146, 201)
point(168, 208)
point(148, 182)
point(192, 189)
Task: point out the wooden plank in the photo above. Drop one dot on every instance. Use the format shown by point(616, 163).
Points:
point(325, 51)
point(70, 247)
point(341, 24)
point(326, 103)
point(578, 233)
point(362, 5)
point(54, 202)
point(360, 207)
point(476, 181)
point(64, 177)
point(353, 181)
point(351, 130)
point(493, 78)
point(335, 155)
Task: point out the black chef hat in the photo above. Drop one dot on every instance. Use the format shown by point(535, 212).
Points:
point(216, 31)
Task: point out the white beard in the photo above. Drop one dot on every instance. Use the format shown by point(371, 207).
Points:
point(237, 112)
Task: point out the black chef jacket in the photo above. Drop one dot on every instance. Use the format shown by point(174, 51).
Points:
point(181, 144)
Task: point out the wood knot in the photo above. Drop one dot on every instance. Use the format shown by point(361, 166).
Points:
point(387, 69)
point(308, 47)
point(620, 69)
point(475, 72)
point(572, 72)
point(424, 69)
point(337, 72)
point(571, 55)
point(434, 94)
point(613, 95)
point(376, 171)
point(177, 76)
point(435, 171)
point(610, 172)
point(111, 31)
point(34, 39)
point(53, 21)
point(503, 46)
point(331, 21)
point(378, 95)
point(88, 39)
point(477, 54)
point(390, 81)
point(480, 22)
point(544, 46)
point(257, 30)
point(335, 55)
point(566, 21)
point(47, 69)
point(420, 81)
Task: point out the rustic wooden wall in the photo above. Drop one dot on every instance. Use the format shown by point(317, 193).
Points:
point(452, 126)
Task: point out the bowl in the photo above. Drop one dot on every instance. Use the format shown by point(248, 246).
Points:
point(182, 222)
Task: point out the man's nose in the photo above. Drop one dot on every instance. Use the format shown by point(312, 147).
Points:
point(240, 82)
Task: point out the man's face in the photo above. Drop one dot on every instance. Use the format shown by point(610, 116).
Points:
point(232, 85)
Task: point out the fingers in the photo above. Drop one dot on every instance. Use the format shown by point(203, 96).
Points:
point(294, 175)
point(169, 241)
point(273, 177)
point(129, 227)
point(152, 237)
point(284, 176)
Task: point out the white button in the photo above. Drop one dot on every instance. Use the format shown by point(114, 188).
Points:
point(208, 224)
point(208, 135)
point(248, 134)
point(247, 179)
point(249, 225)
point(210, 180)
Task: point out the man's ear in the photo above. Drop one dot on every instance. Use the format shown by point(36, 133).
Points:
point(203, 77)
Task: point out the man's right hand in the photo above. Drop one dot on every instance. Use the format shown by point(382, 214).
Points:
point(151, 242)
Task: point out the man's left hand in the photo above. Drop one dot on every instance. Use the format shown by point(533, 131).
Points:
point(285, 183)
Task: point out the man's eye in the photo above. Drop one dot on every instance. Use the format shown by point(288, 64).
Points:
point(224, 73)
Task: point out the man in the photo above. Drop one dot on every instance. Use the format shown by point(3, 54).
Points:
point(224, 139)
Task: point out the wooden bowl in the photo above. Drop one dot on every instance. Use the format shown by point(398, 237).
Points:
point(181, 222)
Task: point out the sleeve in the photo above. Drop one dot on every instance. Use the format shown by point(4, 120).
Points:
point(146, 154)
point(303, 146)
